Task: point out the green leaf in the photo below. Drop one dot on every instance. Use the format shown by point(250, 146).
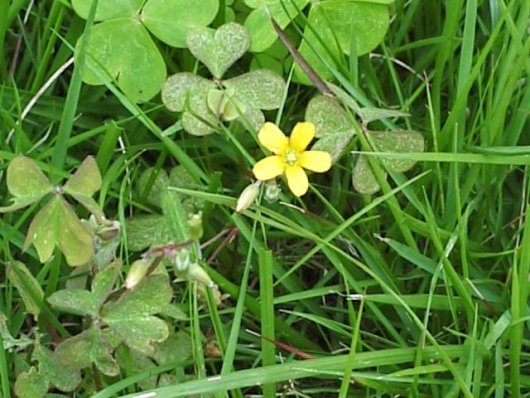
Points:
point(64, 378)
point(171, 21)
point(86, 180)
point(21, 277)
point(258, 25)
point(336, 24)
point(334, 144)
point(43, 230)
point(89, 347)
point(328, 116)
point(218, 49)
point(104, 282)
point(113, 52)
point(363, 178)
point(131, 317)
point(107, 9)
point(398, 141)
point(74, 239)
point(176, 348)
point(188, 92)
point(146, 231)
point(26, 182)
point(136, 362)
point(262, 89)
point(31, 384)
point(75, 301)
point(158, 181)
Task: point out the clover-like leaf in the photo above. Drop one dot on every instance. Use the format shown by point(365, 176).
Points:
point(57, 224)
point(218, 49)
point(108, 9)
point(334, 144)
point(177, 347)
point(171, 21)
point(154, 182)
point(261, 89)
point(31, 384)
point(258, 23)
point(104, 282)
point(75, 301)
point(137, 363)
point(363, 178)
point(121, 50)
point(89, 347)
point(26, 182)
point(188, 92)
point(327, 115)
point(337, 23)
point(28, 287)
point(64, 378)
point(145, 231)
point(85, 182)
point(132, 316)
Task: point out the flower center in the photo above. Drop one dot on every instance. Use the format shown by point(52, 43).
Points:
point(290, 157)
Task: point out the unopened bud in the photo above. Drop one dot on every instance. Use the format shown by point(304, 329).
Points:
point(195, 224)
point(272, 191)
point(136, 273)
point(199, 274)
point(247, 197)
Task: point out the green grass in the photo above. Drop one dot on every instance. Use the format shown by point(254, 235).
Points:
point(420, 290)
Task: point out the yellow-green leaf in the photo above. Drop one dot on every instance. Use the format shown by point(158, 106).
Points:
point(28, 287)
point(42, 232)
point(86, 180)
point(74, 239)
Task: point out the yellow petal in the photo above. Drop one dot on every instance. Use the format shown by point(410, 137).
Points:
point(268, 168)
point(318, 161)
point(303, 133)
point(272, 138)
point(297, 180)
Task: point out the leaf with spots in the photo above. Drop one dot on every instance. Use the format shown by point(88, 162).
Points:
point(261, 89)
point(31, 384)
point(133, 318)
point(218, 49)
point(64, 378)
point(28, 287)
point(145, 231)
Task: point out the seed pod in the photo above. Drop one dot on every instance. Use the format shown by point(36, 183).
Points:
point(136, 273)
point(247, 197)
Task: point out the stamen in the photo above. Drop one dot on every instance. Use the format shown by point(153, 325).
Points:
point(291, 157)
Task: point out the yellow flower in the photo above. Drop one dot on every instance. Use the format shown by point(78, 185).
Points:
point(290, 156)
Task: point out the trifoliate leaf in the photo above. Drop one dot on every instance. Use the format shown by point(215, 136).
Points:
point(74, 301)
point(26, 182)
point(171, 21)
point(122, 51)
point(31, 384)
point(262, 89)
point(107, 9)
point(218, 49)
point(28, 287)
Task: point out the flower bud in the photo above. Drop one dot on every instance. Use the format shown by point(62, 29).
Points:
point(182, 260)
point(136, 273)
point(247, 197)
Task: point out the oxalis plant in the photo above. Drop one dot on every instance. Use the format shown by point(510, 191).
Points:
point(119, 321)
point(204, 102)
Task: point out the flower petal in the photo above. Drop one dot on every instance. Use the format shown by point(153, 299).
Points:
point(303, 133)
point(297, 180)
point(318, 161)
point(268, 168)
point(272, 138)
